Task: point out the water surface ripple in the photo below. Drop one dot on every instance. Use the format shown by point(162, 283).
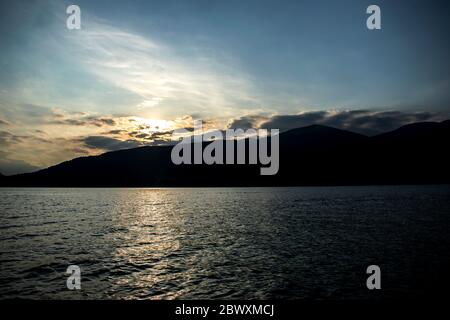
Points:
point(223, 243)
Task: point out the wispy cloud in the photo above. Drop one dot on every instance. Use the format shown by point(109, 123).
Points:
point(166, 82)
point(4, 122)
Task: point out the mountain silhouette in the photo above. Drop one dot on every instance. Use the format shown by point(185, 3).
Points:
point(313, 155)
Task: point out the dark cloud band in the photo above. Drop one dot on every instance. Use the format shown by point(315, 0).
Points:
point(359, 121)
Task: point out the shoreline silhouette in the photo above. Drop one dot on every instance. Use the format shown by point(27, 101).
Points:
point(309, 156)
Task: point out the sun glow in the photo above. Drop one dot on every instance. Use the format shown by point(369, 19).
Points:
point(155, 124)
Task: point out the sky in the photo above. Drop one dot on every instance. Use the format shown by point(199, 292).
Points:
point(137, 70)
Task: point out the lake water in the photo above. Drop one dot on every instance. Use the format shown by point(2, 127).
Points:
point(224, 243)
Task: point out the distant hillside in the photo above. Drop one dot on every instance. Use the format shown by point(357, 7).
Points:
point(313, 155)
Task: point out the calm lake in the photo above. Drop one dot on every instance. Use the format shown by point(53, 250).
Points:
point(224, 243)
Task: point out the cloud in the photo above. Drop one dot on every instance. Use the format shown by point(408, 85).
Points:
point(37, 115)
point(20, 153)
point(9, 167)
point(203, 81)
point(247, 122)
point(84, 121)
point(143, 135)
point(25, 113)
point(109, 144)
point(166, 134)
point(360, 121)
point(116, 131)
point(151, 135)
point(7, 138)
